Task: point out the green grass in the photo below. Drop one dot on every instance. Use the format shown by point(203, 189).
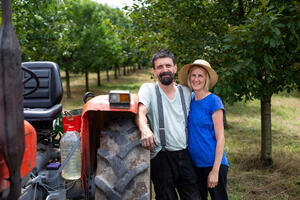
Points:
point(247, 179)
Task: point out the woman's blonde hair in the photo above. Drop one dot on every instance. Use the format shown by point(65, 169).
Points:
point(206, 77)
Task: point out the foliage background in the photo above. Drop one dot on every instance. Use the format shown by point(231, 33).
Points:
point(252, 44)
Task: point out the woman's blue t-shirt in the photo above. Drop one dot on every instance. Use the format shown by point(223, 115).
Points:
point(202, 138)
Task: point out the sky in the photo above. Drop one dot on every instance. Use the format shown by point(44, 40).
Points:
point(116, 3)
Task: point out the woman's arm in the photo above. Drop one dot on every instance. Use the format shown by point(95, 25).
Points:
point(213, 176)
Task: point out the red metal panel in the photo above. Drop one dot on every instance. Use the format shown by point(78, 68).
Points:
point(100, 103)
point(29, 159)
point(4, 174)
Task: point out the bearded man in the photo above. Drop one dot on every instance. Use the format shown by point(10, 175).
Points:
point(165, 106)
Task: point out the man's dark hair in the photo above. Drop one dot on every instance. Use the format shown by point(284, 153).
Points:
point(162, 53)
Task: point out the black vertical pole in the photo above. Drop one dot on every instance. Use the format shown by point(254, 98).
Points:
point(12, 139)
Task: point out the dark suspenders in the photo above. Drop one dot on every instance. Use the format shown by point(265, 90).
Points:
point(185, 112)
point(162, 134)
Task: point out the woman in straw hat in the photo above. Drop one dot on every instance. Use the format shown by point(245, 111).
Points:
point(206, 130)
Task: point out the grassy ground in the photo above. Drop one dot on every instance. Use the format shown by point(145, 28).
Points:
point(247, 179)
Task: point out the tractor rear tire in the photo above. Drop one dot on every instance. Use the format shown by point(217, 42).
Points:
point(123, 165)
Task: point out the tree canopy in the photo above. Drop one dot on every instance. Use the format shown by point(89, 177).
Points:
point(82, 36)
point(253, 45)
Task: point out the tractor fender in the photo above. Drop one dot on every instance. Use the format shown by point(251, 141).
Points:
point(29, 158)
point(96, 112)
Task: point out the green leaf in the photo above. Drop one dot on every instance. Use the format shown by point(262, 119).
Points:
point(280, 25)
point(276, 31)
point(272, 42)
point(266, 40)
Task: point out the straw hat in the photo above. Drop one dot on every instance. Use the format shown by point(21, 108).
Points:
point(184, 71)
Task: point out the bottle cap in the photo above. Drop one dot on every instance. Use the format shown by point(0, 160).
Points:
point(71, 128)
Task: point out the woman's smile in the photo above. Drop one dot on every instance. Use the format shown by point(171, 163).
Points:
point(198, 78)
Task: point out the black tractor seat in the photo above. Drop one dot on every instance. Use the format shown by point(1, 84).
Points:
point(43, 104)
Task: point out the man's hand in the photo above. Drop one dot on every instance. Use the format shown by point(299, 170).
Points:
point(148, 139)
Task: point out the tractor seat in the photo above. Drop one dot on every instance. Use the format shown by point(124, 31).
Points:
point(44, 103)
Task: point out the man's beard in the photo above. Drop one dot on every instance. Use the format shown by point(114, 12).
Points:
point(166, 80)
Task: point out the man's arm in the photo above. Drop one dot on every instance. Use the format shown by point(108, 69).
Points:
point(148, 139)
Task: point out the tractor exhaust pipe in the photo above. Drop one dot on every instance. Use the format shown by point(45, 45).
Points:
point(12, 139)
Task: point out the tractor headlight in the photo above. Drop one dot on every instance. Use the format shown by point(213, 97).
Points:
point(119, 98)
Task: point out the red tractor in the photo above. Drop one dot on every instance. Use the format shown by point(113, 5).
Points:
point(112, 163)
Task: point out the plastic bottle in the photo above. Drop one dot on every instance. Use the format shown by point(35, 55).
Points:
point(72, 170)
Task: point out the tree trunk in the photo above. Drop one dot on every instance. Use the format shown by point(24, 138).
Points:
point(98, 78)
point(115, 72)
point(86, 79)
point(107, 74)
point(139, 66)
point(225, 123)
point(119, 70)
point(124, 71)
point(241, 9)
point(225, 120)
point(68, 83)
point(266, 133)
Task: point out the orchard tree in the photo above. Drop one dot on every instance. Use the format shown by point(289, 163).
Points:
point(253, 45)
point(77, 34)
point(262, 58)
